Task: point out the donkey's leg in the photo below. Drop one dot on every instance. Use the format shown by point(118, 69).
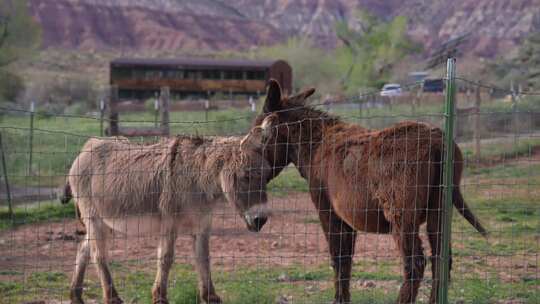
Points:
point(98, 243)
point(202, 262)
point(83, 257)
point(164, 263)
point(341, 241)
point(434, 231)
point(414, 261)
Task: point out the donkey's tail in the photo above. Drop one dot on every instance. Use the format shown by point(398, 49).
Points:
point(464, 210)
point(67, 195)
point(457, 197)
point(458, 200)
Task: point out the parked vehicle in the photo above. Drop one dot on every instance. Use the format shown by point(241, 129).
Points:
point(391, 90)
point(433, 85)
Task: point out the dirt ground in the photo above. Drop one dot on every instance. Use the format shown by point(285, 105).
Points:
point(292, 236)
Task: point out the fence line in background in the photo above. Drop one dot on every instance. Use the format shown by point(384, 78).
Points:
point(450, 116)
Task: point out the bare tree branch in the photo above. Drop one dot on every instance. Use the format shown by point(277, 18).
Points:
point(4, 22)
point(350, 45)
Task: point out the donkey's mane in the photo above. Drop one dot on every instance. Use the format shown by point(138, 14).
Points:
point(306, 111)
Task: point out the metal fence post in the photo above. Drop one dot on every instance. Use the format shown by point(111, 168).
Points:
point(31, 138)
point(448, 180)
point(4, 170)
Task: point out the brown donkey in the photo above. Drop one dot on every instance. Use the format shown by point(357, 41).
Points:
point(163, 189)
point(385, 181)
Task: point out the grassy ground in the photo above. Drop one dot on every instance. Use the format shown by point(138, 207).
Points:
point(502, 268)
point(57, 140)
point(35, 213)
point(503, 193)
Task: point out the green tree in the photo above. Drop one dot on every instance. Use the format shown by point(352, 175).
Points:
point(371, 49)
point(19, 33)
point(524, 68)
point(311, 66)
point(19, 37)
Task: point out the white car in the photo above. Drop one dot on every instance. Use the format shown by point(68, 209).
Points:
point(391, 90)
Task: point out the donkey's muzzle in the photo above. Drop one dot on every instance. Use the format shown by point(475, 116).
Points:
point(256, 223)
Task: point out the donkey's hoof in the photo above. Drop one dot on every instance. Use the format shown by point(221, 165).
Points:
point(76, 297)
point(212, 299)
point(114, 301)
point(159, 300)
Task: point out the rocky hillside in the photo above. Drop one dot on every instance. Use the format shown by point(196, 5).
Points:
point(495, 26)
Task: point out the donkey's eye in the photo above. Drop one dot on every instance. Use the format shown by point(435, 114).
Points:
point(251, 175)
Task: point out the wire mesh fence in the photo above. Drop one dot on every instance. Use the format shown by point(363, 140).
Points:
point(128, 192)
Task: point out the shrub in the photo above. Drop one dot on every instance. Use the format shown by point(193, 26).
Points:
point(11, 86)
point(76, 109)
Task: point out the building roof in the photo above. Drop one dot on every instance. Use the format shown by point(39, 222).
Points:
point(193, 62)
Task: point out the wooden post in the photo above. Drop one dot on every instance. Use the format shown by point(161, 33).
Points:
point(368, 99)
point(164, 109)
point(156, 109)
point(206, 109)
point(114, 128)
point(359, 103)
point(207, 105)
point(415, 101)
point(6, 181)
point(101, 115)
point(514, 115)
point(477, 124)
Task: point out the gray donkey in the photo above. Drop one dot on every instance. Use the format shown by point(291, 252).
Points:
point(164, 189)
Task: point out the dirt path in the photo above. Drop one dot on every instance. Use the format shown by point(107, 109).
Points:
point(292, 235)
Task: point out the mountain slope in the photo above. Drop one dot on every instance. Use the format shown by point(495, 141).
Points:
point(496, 26)
point(87, 25)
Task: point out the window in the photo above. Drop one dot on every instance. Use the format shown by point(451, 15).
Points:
point(173, 74)
point(121, 73)
point(211, 74)
point(153, 74)
point(237, 75)
point(255, 75)
point(138, 74)
point(190, 74)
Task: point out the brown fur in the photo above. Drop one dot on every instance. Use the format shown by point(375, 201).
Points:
point(163, 189)
point(385, 181)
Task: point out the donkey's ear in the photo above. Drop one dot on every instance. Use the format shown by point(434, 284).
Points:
point(273, 97)
point(308, 92)
point(259, 136)
point(302, 96)
point(253, 140)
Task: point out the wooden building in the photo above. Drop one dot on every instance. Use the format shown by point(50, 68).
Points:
point(139, 79)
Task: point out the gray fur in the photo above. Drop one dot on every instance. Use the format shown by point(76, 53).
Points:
point(166, 188)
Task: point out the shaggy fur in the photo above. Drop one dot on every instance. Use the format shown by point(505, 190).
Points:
point(385, 181)
point(163, 189)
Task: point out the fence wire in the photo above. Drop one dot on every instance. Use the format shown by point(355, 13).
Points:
point(215, 175)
